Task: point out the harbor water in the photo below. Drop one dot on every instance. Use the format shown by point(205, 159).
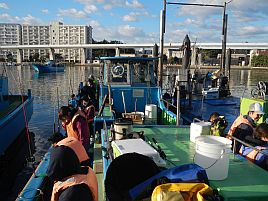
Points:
point(52, 91)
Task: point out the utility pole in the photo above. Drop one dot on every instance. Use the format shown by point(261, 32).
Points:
point(162, 32)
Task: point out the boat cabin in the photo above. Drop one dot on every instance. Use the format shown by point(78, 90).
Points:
point(132, 71)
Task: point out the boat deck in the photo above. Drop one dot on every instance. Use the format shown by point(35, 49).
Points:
point(14, 102)
point(245, 181)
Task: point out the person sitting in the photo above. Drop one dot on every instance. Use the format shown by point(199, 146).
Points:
point(75, 123)
point(258, 140)
point(218, 124)
point(73, 101)
point(71, 181)
point(57, 139)
point(244, 124)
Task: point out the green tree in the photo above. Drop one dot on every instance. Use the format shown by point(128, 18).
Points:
point(9, 57)
point(259, 61)
point(36, 57)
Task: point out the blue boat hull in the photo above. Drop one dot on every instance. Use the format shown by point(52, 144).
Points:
point(48, 69)
point(14, 123)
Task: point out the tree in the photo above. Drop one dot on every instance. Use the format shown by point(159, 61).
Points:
point(36, 57)
point(9, 57)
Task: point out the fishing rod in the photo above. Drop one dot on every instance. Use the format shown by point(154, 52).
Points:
point(58, 109)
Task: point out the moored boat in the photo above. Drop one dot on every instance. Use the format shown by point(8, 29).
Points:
point(16, 142)
point(50, 67)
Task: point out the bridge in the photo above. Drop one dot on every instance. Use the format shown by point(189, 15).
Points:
point(117, 47)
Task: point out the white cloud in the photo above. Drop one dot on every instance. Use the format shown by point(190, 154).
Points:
point(90, 8)
point(134, 4)
point(72, 12)
point(131, 17)
point(29, 19)
point(3, 5)
point(44, 11)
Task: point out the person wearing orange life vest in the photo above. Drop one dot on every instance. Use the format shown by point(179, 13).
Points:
point(71, 181)
point(75, 123)
point(259, 140)
point(58, 139)
point(244, 124)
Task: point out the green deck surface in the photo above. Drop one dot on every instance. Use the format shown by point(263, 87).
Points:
point(245, 181)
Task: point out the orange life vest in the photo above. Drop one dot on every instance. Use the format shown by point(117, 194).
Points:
point(239, 120)
point(89, 179)
point(76, 146)
point(70, 128)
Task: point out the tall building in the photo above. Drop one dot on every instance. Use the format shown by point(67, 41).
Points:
point(71, 34)
point(10, 34)
point(53, 34)
point(35, 35)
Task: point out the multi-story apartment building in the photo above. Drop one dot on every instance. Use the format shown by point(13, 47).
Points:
point(54, 34)
point(10, 34)
point(35, 35)
point(71, 34)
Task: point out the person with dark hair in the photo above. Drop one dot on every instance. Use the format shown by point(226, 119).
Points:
point(218, 124)
point(244, 124)
point(89, 110)
point(71, 181)
point(57, 139)
point(75, 123)
point(259, 140)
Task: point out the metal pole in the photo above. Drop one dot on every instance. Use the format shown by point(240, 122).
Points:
point(178, 105)
point(162, 31)
point(223, 40)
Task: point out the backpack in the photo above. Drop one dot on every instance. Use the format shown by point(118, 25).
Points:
point(184, 192)
point(183, 173)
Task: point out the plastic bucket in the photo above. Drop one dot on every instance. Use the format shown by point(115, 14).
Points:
point(211, 153)
point(151, 111)
point(120, 125)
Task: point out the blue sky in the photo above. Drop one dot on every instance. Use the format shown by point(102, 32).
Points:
point(137, 21)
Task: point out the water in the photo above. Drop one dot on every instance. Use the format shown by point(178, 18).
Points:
point(46, 101)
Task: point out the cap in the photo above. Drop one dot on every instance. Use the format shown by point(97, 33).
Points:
point(256, 107)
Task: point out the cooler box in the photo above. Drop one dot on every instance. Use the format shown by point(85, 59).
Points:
point(198, 129)
point(138, 146)
point(212, 93)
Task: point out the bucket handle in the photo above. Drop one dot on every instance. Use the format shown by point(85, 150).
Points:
point(213, 162)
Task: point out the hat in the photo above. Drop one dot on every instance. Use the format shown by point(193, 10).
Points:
point(256, 107)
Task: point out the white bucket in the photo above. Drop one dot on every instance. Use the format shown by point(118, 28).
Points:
point(198, 129)
point(212, 154)
point(151, 111)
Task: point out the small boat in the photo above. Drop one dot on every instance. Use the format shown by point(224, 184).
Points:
point(50, 67)
point(131, 106)
point(15, 112)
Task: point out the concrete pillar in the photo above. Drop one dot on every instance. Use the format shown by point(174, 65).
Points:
point(83, 56)
point(19, 56)
point(251, 54)
point(51, 54)
point(199, 59)
point(194, 56)
point(117, 51)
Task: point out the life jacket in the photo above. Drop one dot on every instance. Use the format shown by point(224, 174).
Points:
point(253, 155)
point(239, 120)
point(89, 179)
point(76, 146)
point(71, 132)
point(181, 192)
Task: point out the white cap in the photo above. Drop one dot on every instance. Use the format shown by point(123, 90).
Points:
point(256, 107)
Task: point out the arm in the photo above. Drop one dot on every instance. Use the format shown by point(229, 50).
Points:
point(82, 131)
